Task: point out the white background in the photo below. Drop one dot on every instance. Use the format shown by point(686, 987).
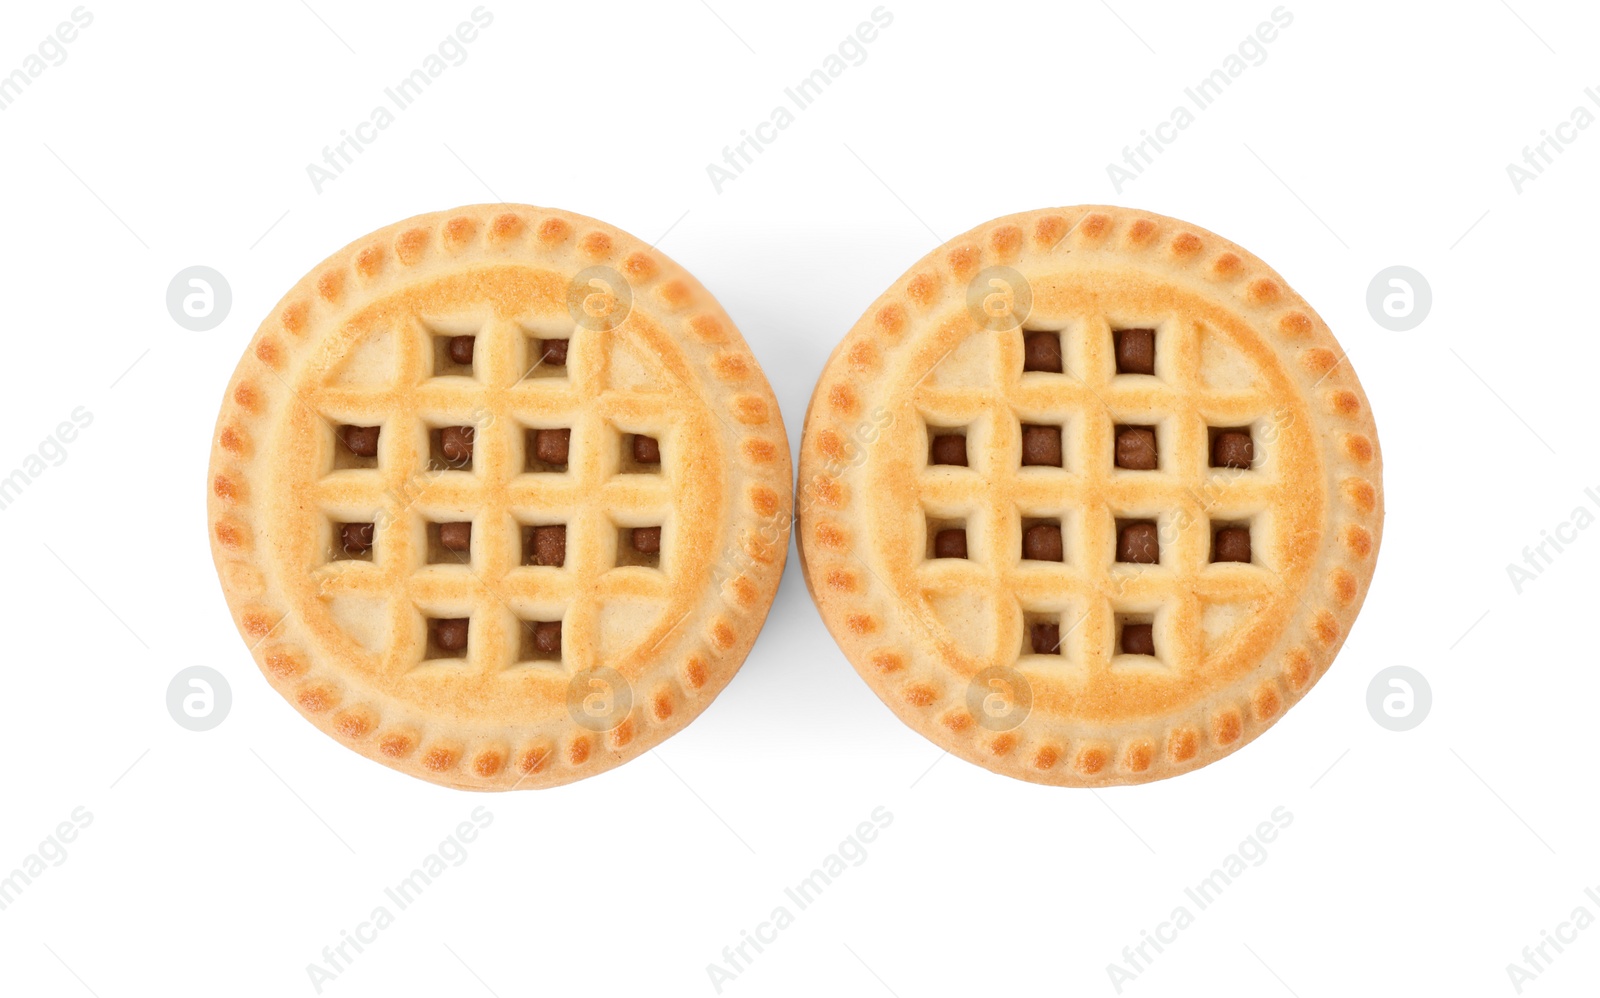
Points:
point(1373, 134)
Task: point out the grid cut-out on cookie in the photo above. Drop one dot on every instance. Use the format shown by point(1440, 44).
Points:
point(1185, 496)
point(482, 559)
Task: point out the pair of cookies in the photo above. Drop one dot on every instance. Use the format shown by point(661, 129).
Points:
point(500, 497)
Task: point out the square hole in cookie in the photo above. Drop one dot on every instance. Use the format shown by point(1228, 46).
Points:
point(1138, 541)
point(355, 446)
point(640, 455)
point(453, 355)
point(352, 540)
point(544, 544)
point(947, 445)
point(1230, 541)
point(947, 537)
point(1135, 448)
point(547, 449)
point(1135, 634)
point(540, 642)
point(1042, 633)
point(447, 638)
point(1231, 447)
point(546, 357)
point(1043, 539)
point(1041, 351)
point(449, 542)
point(1041, 446)
point(639, 546)
point(450, 448)
point(1135, 350)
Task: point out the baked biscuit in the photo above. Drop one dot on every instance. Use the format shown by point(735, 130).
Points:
point(499, 497)
point(1089, 496)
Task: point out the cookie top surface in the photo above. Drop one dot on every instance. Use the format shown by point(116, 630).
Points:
point(1090, 496)
point(499, 497)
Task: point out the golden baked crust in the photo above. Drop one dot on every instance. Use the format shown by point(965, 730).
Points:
point(946, 641)
point(347, 639)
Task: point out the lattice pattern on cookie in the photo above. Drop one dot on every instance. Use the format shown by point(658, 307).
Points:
point(596, 493)
point(1077, 488)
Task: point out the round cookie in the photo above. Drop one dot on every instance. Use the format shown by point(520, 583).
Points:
point(1089, 496)
point(499, 497)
